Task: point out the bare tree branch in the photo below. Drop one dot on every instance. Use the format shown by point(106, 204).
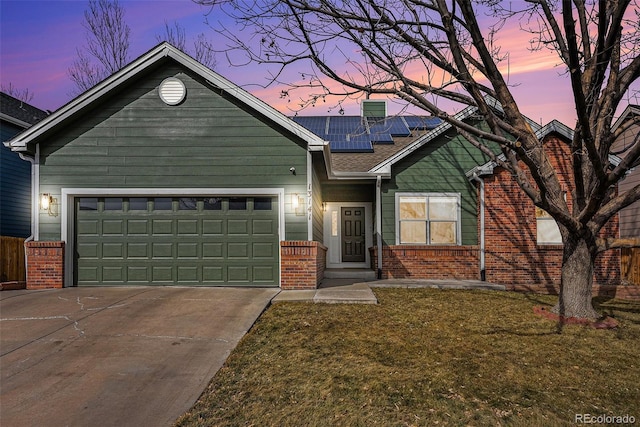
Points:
point(107, 44)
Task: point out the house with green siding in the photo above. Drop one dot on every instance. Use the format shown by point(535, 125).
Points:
point(167, 173)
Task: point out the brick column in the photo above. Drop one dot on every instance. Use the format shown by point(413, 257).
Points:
point(45, 265)
point(302, 264)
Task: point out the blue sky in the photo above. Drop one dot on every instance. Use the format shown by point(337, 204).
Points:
point(38, 41)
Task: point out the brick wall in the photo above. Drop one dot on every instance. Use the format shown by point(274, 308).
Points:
point(428, 262)
point(302, 264)
point(513, 256)
point(45, 265)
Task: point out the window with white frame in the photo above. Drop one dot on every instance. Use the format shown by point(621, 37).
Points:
point(547, 230)
point(427, 219)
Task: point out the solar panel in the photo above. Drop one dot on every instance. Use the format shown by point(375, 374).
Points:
point(353, 145)
point(422, 122)
point(342, 125)
point(381, 138)
point(317, 125)
point(391, 125)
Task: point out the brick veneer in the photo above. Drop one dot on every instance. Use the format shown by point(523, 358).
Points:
point(45, 265)
point(427, 262)
point(302, 264)
point(513, 256)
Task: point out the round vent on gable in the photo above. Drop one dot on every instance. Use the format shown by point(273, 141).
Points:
point(172, 91)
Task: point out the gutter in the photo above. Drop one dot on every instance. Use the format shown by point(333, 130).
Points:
point(483, 272)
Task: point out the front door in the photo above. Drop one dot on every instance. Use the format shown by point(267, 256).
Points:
point(353, 234)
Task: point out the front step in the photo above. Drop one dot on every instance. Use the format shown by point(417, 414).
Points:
point(362, 274)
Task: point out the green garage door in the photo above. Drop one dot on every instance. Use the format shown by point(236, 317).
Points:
point(210, 241)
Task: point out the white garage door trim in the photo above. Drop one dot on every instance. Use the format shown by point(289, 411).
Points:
point(67, 211)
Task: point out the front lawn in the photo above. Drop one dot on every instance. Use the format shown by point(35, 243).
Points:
point(425, 357)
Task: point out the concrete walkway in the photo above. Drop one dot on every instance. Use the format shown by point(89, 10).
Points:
point(352, 291)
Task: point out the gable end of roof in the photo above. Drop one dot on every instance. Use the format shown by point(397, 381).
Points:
point(155, 55)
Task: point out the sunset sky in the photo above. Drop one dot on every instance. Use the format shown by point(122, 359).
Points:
point(38, 41)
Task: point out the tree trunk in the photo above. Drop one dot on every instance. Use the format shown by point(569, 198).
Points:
point(577, 280)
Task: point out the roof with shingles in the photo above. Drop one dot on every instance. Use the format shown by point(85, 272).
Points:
point(20, 111)
point(363, 162)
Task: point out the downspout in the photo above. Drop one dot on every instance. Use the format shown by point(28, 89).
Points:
point(483, 273)
point(35, 186)
point(379, 223)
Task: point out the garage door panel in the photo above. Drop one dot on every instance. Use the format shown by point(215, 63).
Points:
point(213, 274)
point(188, 227)
point(263, 226)
point(213, 250)
point(113, 274)
point(113, 250)
point(265, 274)
point(196, 246)
point(187, 250)
point(188, 274)
point(87, 227)
point(138, 250)
point(137, 227)
point(263, 250)
point(113, 227)
point(88, 274)
point(237, 226)
point(238, 274)
point(162, 274)
point(138, 274)
point(162, 250)
point(237, 250)
point(162, 226)
point(87, 250)
point(213, 227)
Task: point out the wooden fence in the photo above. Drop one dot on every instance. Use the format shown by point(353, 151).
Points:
point(630, 265)
point(12, 267)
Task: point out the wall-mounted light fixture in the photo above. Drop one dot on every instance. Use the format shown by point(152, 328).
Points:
point(49, 203)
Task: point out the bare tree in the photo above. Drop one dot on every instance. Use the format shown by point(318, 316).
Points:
point(423, 51)
point(24, 95)
point(202, 49)
point(107, 44)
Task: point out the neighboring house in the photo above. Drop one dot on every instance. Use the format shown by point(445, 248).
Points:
point(167, 173)
point(15, 176)
point(629, 216)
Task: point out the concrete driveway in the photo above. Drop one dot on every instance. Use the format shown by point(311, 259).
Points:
point(116, 356)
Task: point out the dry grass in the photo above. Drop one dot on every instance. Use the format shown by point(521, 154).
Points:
point(425, 357)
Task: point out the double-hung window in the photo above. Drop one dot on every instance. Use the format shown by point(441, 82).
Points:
point(427, 219)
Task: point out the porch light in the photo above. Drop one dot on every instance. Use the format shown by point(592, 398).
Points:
point(45, 201)
point(48, 203)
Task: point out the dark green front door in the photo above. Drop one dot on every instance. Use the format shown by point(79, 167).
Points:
point(211, 241)
point(353, 235)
